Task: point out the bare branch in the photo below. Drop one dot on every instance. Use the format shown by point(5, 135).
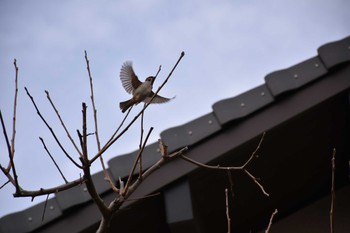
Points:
point(62, 123)
point(9, 177)
point(11, 147)
point(331, 212)
point(92, 100)
point(51, 130)
point(159, 69)
point(14, 179)
point(53, 160)
point(141, 130)
point(108, 144)
point(271, 219)
point(107, 177)
point(4, 131)
point(115, 205)
point(231, 182)
point(86, 168)
point(42, 191)
point(84, 138)
point(44, 210)
point(256, 182)
point(243, 167)
point(4, 184)
point(140, 198)
point(140, 145)
point(120, 125)
point(253, 155)
point(14, 116)
point(154, 167)
point(227, 213)
point(138, 157)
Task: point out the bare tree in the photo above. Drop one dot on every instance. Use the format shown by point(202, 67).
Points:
point(85, 160)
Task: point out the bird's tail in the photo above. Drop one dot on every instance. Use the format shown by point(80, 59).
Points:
point(126, 105)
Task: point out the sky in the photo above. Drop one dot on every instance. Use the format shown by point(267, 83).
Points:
point(229, 45)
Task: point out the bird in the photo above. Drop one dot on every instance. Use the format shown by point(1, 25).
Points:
point(141, 91)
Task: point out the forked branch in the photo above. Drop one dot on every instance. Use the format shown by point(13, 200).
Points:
point(243, 167)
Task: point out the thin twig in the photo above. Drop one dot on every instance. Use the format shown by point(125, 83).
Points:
point(140, 198)
point(93, 100)
point(120, 125)
point(230, 179)
point(51, 130)
point(140, 145)
point(108, 144)
point(4, 131)
point(5, 184)
point(270, 222)
point(136, 162)
point(141, 131)
point(331, 212)
point(253, 155)
point(243, 167)
point(53, 160)
point(256, 182)
point(44, 210)
point(14, 179)
point(14, 116)
point(62, 123)
point(159, 69)
point(227, 213)
point(9, 177)
point(118, 201)
point(107, 177)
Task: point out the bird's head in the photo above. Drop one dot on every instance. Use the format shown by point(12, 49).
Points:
point(150, 79)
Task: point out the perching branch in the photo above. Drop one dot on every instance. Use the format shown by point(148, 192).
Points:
point(108, 144)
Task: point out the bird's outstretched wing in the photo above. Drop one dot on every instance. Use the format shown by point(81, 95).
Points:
point(128, 77)
point(157, 99)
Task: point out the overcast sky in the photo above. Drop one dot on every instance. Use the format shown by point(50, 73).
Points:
point(230, 47)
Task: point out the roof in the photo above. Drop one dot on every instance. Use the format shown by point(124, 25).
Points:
point(305, 111)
